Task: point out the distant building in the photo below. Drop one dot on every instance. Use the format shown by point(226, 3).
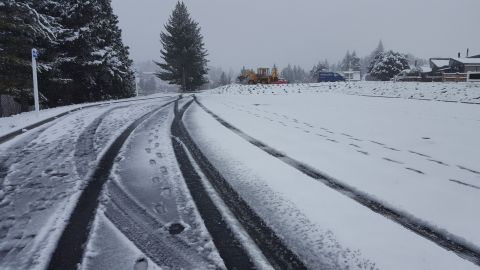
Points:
point(464, 65)
point(440, 65)
point(351, 76)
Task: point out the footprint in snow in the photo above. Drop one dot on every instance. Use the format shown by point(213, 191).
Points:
point(166, 192)
point(156, 180)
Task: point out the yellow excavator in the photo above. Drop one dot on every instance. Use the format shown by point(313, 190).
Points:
point(263, 76)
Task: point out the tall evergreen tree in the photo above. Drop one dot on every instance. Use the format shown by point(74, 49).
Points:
point(355, 62)
point(82, 57)
point(224, 79)
point(96, 64)
point(346, 64)
point(183, 51)
point(22, 27)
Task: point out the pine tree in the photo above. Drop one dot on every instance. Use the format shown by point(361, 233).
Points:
point(223, 79)
point(150, 86)
point(355, 62)
point(183, 51)
point(345, 65)
point(22, 27)
point(97, 64)
point(366, 63)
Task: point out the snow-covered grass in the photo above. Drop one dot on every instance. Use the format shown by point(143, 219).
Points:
point(419, 157)
point(450, 92)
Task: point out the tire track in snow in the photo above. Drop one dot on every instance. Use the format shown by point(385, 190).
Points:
point(148, 234)
point(443, 239)
point(229, 247)
point(84, 149)
point(71, 245)
point(355, 147)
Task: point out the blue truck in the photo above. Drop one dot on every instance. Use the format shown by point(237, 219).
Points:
point(330, 77)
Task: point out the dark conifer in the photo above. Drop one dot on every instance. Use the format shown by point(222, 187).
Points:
point(183, 51)
point(22, 27)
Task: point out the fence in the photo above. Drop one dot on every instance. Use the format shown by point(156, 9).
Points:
point(8, 106)
point(454, 77)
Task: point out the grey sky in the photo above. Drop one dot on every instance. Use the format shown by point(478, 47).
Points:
point(266, 32)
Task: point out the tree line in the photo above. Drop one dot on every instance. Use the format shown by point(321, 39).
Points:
point(380, 65)
point(82, 56)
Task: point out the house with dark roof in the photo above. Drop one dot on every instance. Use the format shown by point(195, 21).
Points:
point(440, 65)
point(464, 65)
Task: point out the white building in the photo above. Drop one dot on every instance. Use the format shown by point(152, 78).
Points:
point(351, 76)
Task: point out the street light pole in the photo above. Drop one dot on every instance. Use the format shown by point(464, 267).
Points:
point(35, 81)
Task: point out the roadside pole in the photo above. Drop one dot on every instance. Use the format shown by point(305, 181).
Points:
point(35, 81)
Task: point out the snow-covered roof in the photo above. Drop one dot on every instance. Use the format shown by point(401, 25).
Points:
point(440, 62)
point(467, 60)
point(426, 69)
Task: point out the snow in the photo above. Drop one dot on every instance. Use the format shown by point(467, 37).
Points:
point(441, 62)
point(468, 60)
point(19, 121)
point(43, 178)
point(405, 153)
point(147, 185)
point(462, 92)
point(411, 146)
point(110, 249)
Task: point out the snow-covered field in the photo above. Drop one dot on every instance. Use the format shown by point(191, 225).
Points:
point(411, 148)
point(449, 92)
point(419, 157)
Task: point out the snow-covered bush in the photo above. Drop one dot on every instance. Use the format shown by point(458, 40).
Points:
point(388, 64)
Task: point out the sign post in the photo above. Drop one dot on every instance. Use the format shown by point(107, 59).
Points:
point(35, 81)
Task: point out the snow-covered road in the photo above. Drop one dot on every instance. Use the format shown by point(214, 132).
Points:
point(285, 177)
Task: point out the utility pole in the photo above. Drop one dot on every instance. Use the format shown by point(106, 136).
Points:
point(35, 81)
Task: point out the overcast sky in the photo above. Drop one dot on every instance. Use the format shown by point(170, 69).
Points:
point(256, 33)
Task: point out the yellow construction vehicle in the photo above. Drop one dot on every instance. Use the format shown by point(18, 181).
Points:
point(263, 76)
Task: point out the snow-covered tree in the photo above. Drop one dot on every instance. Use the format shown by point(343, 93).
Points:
point(365, 63)
point(22, 27)
point(82, 57)
point(355, 62)
point(350, 62)
point(97, 64)
point(183, 51)
point(388, 64)
point(224, 80)
point(150, 86)
point(294, 74)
